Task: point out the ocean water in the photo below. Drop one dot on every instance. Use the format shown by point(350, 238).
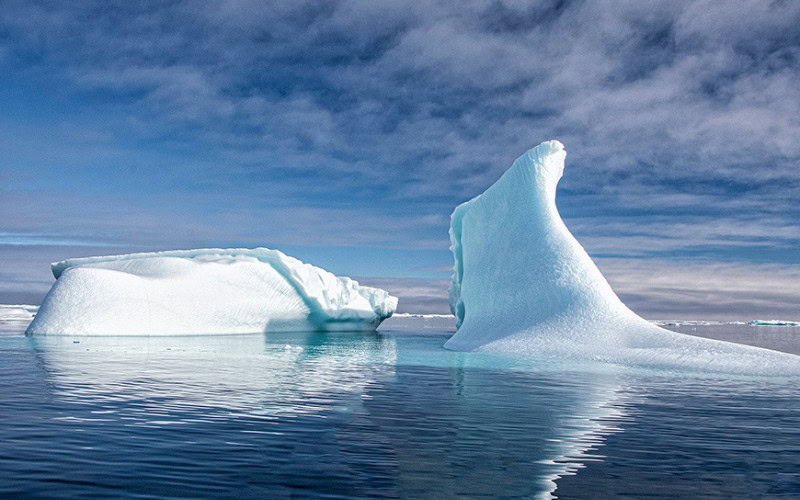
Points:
point(387, 414)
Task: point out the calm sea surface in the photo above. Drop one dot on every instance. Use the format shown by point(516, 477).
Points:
point(388, 414)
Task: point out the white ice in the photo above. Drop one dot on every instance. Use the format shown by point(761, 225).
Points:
point(522, 283)
point(209, 291)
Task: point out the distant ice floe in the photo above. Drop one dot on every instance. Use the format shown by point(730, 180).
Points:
point(14, 318)
point(427, 323)
point(522, 283)
point(415, 315)
point(689, 322)
point(773, 322)
point(207, 291)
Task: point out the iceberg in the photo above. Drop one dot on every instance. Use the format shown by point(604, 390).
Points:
point(206, 291)
point(522, 283)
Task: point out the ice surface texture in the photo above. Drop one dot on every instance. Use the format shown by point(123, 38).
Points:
point(523, 283)
point(209, 291)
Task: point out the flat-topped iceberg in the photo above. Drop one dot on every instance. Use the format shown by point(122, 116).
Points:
point(523, 283)
point(208, 291)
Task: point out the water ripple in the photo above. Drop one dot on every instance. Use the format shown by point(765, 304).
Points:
point(373, 415)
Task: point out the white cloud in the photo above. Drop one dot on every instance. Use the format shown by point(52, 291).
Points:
point(365, 123)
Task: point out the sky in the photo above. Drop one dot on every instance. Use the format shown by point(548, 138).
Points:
point(345, 132)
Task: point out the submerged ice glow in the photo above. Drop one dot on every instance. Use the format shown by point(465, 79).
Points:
point(522, 283)
point(204, 292)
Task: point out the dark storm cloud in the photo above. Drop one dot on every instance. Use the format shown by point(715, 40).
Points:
point(680, 118)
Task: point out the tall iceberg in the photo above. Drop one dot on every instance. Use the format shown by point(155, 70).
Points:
point(522, 283)
point(208, 291)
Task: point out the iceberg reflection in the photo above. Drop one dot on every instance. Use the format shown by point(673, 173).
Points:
point(413, 417)
point(275, 374)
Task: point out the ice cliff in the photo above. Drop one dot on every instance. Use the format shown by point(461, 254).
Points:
point(207, 291)
point(522, 283)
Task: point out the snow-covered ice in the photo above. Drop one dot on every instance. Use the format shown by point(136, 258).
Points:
point(208, 291)
point(522, 283)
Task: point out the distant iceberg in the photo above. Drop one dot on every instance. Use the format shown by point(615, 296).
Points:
point(208, 291)
point(522, 283)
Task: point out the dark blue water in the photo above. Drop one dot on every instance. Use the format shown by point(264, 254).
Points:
point(385, 414)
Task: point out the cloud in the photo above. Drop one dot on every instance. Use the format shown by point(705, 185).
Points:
point(421, 296)
point(438, 91)
point(658, 289)
point(361, 123)
point(657, 236)
point(34, 239)
point(669, 289)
